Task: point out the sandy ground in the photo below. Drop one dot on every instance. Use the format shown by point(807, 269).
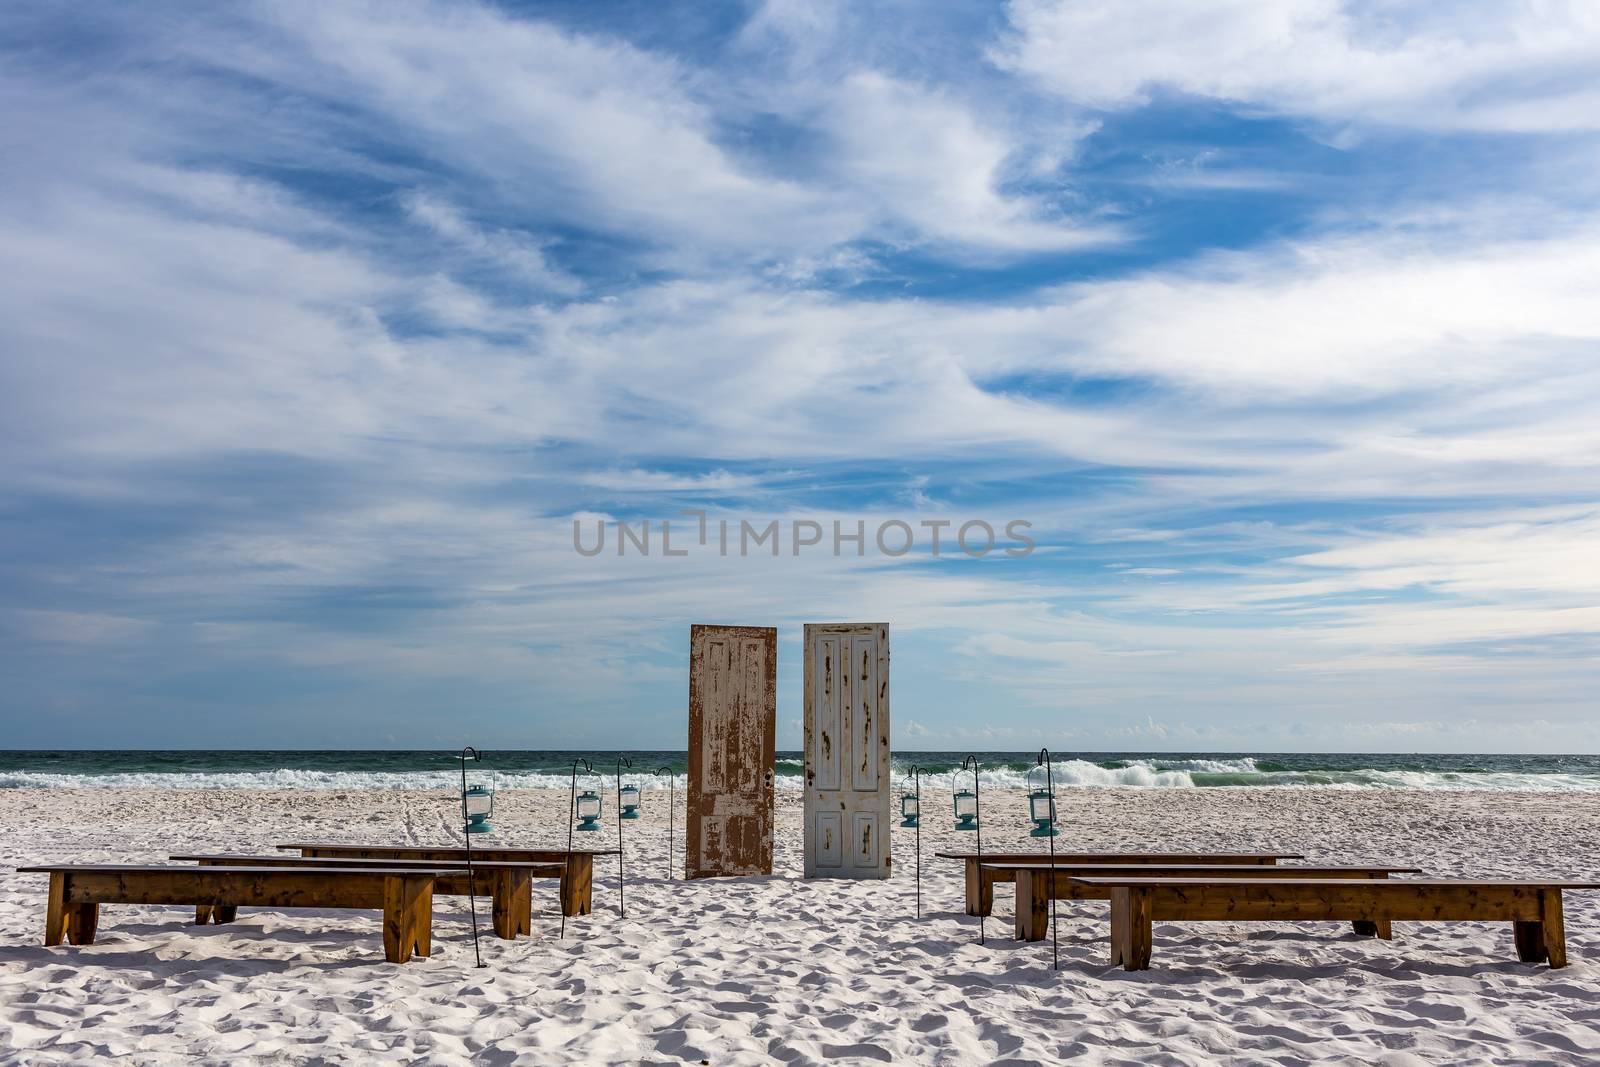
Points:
point(764, 970)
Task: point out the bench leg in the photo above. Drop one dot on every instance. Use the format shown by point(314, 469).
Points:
point(1555, 927)
point(1529, 936)
point(202, 914)
point(74, 922)
point(577, 884)
point(401, 933)
point(1130, 928)
point(55, 909)
point(422, 918)
point(82, 921)
point(1379, 928)
point(522, 901)
point(1033, 906)
point(508, 896)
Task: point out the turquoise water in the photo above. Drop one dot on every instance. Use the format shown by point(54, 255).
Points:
point(547, 769)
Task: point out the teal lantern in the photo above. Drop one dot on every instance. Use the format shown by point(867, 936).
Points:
point(1041, 805)
point(966, 804)
point(588, 809)
point(477, 804)
point(628, 797)
point(910, 809)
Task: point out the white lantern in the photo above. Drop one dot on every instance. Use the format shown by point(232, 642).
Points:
point(588, 809)
point(966, 805)
point(629, 798)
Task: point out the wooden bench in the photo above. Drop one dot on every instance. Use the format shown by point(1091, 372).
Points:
point(76, 892)
point(1036, 886)
point(1533, 907)
point(577, 878)
point(980, 883)
point(508, 885)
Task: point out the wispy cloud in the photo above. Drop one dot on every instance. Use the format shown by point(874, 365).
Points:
point(322, 325)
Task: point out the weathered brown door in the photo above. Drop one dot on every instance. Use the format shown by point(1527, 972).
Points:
point(848, 786)
point(732, 727)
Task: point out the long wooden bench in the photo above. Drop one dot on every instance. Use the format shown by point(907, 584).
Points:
point(980, 883)
point(1532, 906)
point(76, 892)
point(577, 879)
point(508, 885)
point(1036, 884)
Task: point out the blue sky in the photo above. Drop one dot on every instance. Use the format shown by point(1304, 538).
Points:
point(323, 322)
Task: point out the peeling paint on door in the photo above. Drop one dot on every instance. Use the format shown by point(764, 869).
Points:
point(847, 750)
point(732, 727)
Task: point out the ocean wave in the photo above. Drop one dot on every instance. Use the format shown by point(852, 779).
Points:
point(1138, 773)
point(290, 778)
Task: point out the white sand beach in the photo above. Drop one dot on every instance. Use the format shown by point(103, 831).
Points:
point(781, 970)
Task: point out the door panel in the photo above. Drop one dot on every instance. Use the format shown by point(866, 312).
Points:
point(848, 787)
point(825, 740)
point(732, 723)
point(830, 838)
point(864, 839)
point(863, 718)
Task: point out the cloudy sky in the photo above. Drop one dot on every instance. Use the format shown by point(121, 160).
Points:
point(321, 323)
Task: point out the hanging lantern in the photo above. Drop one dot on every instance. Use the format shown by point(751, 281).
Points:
point(1041, 805)
point(629, 798)
point(910, 809)
point(477, 804)
point(588, 809)
point(966, 804)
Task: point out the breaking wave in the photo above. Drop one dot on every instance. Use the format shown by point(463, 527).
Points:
point(1145, 772)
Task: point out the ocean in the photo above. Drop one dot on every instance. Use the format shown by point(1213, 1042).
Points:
point(239, 769)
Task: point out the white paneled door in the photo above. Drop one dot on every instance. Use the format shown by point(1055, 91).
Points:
point(849, 790)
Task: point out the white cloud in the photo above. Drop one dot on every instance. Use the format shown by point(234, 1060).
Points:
point(593, 131)
point(519, 255)
point(927, 162)
point(159, 319)
point(1516, 66)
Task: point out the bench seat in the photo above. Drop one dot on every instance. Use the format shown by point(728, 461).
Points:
point(1036, 886)
point(509, 885)
point(72, 909)
point(577, 878)
point(1532, 906)
point(981, 883)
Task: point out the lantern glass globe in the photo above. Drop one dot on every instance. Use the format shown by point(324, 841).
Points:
point(588, 805)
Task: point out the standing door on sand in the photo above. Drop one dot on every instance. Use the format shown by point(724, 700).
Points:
point(848, 786)
point(732, 723)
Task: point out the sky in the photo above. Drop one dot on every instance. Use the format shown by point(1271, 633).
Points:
point(1278, 324)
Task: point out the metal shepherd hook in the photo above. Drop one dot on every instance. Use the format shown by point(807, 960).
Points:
point(916, 788)
point(977, 808)
point(622, 906)
point(1050, 787)
point(572, 793)
point(472, 880)
point(671, 787)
